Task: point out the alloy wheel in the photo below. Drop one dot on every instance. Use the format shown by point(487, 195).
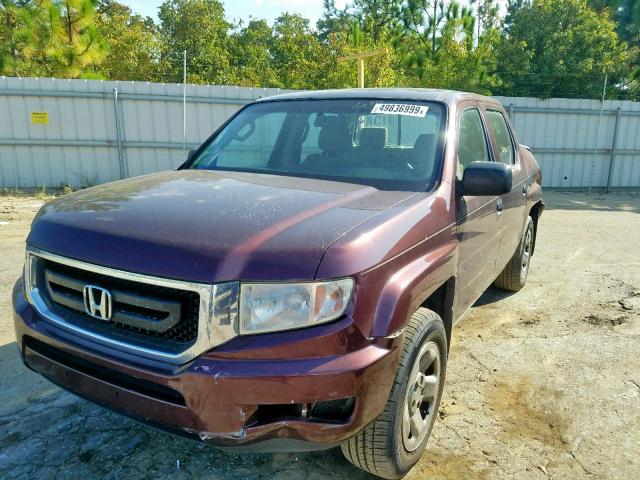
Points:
point(421, 396)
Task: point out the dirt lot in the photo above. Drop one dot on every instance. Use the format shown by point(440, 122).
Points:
point(544, 383)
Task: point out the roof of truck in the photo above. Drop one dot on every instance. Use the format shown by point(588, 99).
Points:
point(422, 94)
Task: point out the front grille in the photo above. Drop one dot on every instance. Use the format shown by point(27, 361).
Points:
point(142, 314)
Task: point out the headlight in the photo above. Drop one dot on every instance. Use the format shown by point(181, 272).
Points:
point(28, 276)
point(270, 307)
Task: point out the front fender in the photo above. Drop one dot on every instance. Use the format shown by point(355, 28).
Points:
point(410, 286)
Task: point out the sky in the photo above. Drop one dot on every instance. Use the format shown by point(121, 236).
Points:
point(244, 9)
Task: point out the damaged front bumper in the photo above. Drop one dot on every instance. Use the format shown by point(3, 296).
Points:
point(260, 401)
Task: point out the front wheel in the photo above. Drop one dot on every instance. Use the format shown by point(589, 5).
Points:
point(514, 275)
point(393, 443)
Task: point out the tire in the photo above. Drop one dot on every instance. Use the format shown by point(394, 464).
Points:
point(514, 275)
point(381, 448)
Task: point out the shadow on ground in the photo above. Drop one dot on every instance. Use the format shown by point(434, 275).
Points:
point(626, 201)
point(492, 295)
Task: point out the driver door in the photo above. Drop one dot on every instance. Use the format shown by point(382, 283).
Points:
point(478, 217)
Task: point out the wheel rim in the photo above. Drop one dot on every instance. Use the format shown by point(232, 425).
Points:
point(526, 255)
point(421, 396)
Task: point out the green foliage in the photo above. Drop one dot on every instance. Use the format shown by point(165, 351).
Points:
point(542, 47)
point(75, 48)
point(13, 37)
point(560, 48)
point(50, 38)
point(297, 54)
point(252, 60)
point(513, 6)
point(199, 27)
point(628, 17)
point(381, 71)
point(134, 44)
point(375, 18)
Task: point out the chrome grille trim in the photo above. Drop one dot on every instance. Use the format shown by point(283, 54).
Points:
point(215, 327)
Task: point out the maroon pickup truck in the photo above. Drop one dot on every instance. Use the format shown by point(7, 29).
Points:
point(293, 285)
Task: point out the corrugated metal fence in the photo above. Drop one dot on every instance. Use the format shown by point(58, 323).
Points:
point(84, 132)
point(580, 143)
point(80, 133)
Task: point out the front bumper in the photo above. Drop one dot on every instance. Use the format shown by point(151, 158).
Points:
point(219, 398)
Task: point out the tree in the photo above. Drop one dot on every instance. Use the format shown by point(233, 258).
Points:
point(76, 48)
point(297, 54)
point(441, 50)
point(251, 57)
point(25, 35)
point(488, 14)
point(380, 71)
point(134, 47)
point(513, 6)
point(200, 28)
point(375, 18)
point(50, 38)
point(560, 48)
point(426, 20)
point(628, 17)
point(9, 37)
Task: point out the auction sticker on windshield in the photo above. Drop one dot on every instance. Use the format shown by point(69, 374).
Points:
point(400, 109)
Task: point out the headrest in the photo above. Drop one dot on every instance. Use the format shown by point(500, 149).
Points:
point(425, 143)
point(373, 137)
point(334, 138)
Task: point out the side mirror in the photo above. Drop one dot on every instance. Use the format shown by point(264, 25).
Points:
point(486, 178)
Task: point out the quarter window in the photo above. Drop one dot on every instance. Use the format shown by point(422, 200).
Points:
point(472, 144)
point(502, 136)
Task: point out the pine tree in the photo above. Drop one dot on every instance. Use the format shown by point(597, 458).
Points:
point(76, 48)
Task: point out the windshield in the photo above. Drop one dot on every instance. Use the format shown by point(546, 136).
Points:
point(387, 144)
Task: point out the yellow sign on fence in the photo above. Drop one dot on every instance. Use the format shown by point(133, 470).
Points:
point(40, 118)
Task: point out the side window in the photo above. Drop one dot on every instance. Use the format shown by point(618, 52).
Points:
point(472, 142)
point(502, 135)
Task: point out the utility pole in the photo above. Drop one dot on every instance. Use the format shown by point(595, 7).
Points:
point(184, 102)
point(597, 137)
point(359, 58)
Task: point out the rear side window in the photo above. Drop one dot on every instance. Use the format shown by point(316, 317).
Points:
point(472, 143)
point(502, 136)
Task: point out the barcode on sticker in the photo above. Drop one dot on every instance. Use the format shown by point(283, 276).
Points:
point(400, 109)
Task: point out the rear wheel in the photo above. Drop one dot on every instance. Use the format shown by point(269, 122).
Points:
point(514, 275)
point(393, 443)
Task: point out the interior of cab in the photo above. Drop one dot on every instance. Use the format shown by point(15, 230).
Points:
point(370, 155)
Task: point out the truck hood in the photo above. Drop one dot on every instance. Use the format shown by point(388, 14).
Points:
point(206, 226)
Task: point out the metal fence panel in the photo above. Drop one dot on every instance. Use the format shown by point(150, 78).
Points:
point(99, 131)
point(573, 140)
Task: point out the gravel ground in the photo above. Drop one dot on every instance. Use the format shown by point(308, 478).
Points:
point(543, 383)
